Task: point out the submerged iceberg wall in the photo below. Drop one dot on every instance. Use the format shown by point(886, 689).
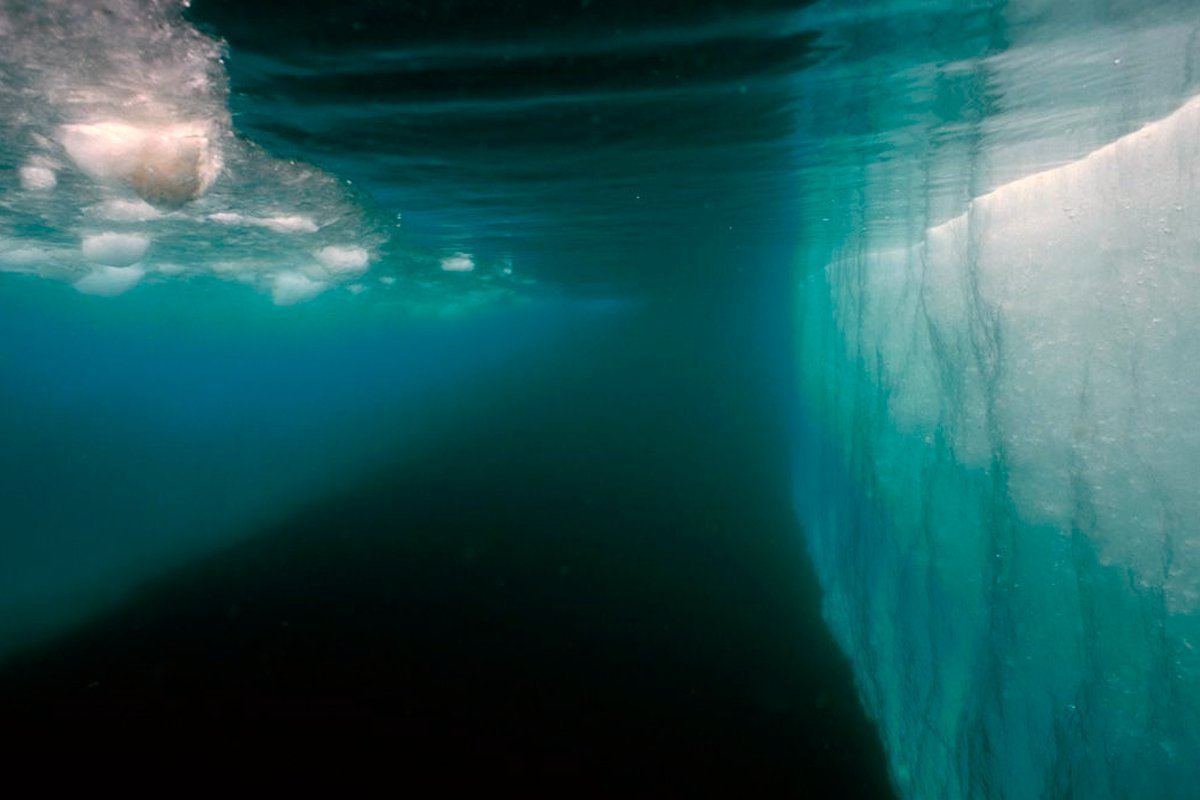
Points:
point(999, 461)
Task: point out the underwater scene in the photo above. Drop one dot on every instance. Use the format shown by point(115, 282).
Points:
point(612, 397)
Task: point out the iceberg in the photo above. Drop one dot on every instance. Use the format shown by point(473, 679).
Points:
point(998, 456)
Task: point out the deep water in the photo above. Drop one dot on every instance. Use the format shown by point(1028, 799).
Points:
point(461, 403)
point(590, 572)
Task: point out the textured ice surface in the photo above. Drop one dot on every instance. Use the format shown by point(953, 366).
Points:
point(342, 260)
point(117, 109)
point(459, 262)
point(1000, 461)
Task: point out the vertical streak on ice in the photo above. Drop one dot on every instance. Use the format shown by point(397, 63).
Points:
point(999, 476)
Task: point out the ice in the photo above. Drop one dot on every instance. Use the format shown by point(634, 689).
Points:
point(115, 114)
point(459, 262)
point(346, 260)
point(37, 178)
point(166, 164)
point(22, 258)
point(289, 288)
point(115, 249)
point(109, 281)
point(283, 223)
point(290, 223)
point(999, 452)
point(121, 210)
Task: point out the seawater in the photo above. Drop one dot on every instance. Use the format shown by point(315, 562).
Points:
point(422, 363)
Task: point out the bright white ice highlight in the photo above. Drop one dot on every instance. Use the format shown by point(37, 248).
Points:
point(459, 262)
point(115, 249)
point(289, 288)
point(1043, 300)
point(341, 260)
point(121, 210)
point(998, 443)
point(166, 164)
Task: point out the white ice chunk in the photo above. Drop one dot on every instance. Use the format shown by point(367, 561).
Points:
point(289, 288)
point(282, 223)
point(37, 178)
point(126, 211)
point(342, 260)
point(1013, 399)
point(115, 249)
point(167, 164)
point(109, 281)
point(22, 259)
point(459, 262)
point(289, 223)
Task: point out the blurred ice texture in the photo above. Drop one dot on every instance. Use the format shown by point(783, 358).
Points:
point(115, 114)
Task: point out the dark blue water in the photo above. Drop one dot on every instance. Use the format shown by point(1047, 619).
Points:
point(520, 488)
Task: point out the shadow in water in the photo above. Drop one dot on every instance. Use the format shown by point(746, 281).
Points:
point(598, 577)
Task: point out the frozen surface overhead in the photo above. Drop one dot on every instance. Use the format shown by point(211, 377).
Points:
point(128, 167)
